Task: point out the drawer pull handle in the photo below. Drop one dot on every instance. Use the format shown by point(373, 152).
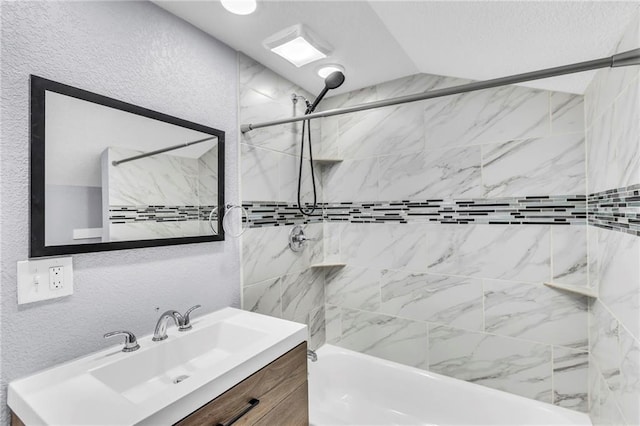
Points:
point(252, 404)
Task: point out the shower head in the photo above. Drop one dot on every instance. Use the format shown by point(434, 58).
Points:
point(333, 81)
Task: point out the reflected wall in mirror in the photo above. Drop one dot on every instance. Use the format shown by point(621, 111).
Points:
point(108, 175)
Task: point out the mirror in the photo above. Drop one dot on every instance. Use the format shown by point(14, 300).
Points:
point(108, 175)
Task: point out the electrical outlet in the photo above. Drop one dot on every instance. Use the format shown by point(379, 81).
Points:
point(42, 279)
point(56, 277)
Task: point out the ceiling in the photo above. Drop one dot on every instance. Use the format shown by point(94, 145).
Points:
point(377, 41)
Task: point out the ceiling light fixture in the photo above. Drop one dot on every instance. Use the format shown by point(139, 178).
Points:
point(325, 70)
point(239, 7)
point(297, 45)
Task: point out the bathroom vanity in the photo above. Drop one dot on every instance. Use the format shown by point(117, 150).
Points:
point(233, 367)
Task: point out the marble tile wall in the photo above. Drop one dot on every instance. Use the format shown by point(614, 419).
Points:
point(612, 105)
point(464, 299)
point(162, 196)
point(277, 281)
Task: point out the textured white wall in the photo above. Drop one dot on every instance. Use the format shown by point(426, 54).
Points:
point(136, 52)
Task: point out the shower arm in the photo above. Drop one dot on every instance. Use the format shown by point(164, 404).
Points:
point(628, 58)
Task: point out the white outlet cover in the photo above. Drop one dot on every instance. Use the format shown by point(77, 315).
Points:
point(33, 279)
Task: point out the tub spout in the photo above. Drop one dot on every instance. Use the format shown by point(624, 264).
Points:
point(312, 355)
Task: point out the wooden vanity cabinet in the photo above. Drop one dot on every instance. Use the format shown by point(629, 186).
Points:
point(280, 389)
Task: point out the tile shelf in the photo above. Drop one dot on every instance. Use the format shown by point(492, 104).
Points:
point(583, 291)
point(327, 161)
point(328, 265)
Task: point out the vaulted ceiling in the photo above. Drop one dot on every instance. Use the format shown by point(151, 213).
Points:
point(378, 41)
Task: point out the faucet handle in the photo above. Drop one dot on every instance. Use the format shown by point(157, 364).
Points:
point(186, 319)
point(130, 342)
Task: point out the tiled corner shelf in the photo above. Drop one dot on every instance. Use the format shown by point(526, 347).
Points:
point(583, 291)
point(328, 265)
point(327, 161)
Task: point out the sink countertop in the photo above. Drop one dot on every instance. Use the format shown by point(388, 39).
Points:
point(112, 387)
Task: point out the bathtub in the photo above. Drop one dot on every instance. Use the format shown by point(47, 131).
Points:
point(349, 388)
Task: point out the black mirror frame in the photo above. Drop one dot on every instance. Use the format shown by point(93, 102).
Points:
point(37, 247)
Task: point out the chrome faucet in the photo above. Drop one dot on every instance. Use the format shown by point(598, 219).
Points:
point(130, 342)
point(161, 326)
point(186, 319)
point(182, 321)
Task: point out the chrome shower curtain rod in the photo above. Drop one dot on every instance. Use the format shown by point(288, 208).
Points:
point(631, 57)
point(160, 151)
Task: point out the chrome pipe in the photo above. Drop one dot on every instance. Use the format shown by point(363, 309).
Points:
point(631, 57)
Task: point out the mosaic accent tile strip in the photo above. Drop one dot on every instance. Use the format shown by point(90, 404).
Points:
point(265, 213)
point(616, 209)
point(532, 210)
point(130, 214)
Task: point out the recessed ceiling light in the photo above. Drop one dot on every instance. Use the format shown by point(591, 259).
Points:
point(239, 7)
point(325, 70)
point(296, 45)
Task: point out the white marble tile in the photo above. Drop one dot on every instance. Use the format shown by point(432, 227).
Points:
point(351, 180)
point(302, 292)
point(619, 276)
point(255, 76)
point(455, 301)
point(535, 312)
point(354, 97)
point(157, 180)
point(431, 174)
point(512, 365)
point(328, 146)
point(592, 255)
point(385, 246)
point(545, 166)
point(266, 254)
point(333, 323)
point(384, 336)
point(317, 333)
point(604, 344)
point(629, 396)
point(567, 113)
point(315, 244)
point(353, 287)
point(569, 253)
point(190, 228)
point(331, 241)
point(570, 379)
point(490, 251)
point(626, 137)
point(208, 177)
point(487, 116)
point(381, 131)
point(205, 228)
point(608, 83)
point(146, 230)
point(413, 84)
point(259, 174)
point(603, 408)
point(263, 298)
point(283, 138)
point(600, 148)
point(289, 169)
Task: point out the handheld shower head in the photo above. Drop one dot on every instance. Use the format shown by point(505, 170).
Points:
point(333, 81)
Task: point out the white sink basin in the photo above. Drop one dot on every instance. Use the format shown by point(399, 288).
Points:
point(160, 383)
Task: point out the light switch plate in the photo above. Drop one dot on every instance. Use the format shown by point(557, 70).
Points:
point(34, 279)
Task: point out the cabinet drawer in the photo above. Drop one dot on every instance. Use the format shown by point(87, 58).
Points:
point(292, 411)
point(270, 385)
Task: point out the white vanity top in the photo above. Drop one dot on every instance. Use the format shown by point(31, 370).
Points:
point(112, 387)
